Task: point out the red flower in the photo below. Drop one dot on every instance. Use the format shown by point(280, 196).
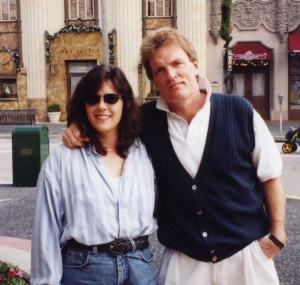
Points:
point(11, 273)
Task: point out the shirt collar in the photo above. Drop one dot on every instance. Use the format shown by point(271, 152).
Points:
point(203, 83)
point(91, 149)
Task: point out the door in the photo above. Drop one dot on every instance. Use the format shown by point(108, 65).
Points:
point(253, 84)
point(76, 70)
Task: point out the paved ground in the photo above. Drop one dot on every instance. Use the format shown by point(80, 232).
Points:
point(17, 210)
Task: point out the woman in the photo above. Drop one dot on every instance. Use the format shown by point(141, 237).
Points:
point(96, 202)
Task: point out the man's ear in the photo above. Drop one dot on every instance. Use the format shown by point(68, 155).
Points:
point(196, 65)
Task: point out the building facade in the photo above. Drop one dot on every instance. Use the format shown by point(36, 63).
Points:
point(47, 46)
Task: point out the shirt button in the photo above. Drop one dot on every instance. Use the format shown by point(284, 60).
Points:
point(204, 234)
point(194, 187)
point(214, 259)
point(199, 212)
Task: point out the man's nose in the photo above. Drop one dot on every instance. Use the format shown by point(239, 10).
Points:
point(170, 73)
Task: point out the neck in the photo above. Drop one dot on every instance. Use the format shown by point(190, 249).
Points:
point(109, 141)
point(189, 108)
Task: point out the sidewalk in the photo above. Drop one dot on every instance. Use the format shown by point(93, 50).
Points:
point(16, 251)
point(54, 129)
point(274, 127)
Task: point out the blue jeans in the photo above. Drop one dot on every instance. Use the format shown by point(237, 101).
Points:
point(84, 267)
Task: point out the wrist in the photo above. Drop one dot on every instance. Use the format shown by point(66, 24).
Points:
point(275, 240)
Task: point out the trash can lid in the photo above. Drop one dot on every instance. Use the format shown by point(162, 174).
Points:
point(29, 130)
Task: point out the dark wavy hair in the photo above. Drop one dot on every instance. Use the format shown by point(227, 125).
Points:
point(89, 85)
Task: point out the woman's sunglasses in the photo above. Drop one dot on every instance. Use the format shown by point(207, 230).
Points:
point(109, 98)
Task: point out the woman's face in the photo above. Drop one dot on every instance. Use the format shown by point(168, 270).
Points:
point(105, 117)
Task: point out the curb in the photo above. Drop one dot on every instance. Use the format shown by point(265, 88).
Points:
point(16, 257)
point(16, 251)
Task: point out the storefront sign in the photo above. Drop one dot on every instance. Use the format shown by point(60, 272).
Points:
point(249, 55)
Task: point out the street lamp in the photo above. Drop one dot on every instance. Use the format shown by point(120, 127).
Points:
point(280, 99)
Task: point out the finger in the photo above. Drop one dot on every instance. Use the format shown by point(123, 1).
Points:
point(84, 139)
point(73, 131)
point(268, 248)
point(71, 142)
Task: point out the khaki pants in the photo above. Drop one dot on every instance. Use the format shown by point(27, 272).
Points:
point(249, 266)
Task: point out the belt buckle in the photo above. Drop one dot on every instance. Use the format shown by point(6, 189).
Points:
point(116, 247)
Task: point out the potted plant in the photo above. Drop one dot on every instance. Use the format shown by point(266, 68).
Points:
point(54, 112)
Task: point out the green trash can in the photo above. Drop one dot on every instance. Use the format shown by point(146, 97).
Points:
point(30, 148)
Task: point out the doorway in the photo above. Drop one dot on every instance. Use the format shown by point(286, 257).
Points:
point(76, 70)
point(253, 84)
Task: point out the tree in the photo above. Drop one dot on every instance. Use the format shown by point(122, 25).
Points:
point(225, 33)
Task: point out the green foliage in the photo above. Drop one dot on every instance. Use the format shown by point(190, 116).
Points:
point(55, 107)
point(15, 57)
point(225, 31)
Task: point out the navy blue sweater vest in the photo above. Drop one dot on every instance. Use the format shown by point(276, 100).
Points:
point(221, 211)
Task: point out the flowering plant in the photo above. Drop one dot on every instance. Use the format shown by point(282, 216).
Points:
point(12, 275)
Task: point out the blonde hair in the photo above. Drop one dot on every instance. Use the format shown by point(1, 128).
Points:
point(159, 38)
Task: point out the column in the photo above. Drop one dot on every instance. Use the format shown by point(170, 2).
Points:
point(34, 26)
point(128, 19)
point(192, 22)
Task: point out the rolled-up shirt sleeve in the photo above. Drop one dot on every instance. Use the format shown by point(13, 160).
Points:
point(46, 262)
point(266, 156)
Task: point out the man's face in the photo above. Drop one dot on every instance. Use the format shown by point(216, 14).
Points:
point(174, 74)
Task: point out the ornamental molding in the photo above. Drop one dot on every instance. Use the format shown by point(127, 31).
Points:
point(216, 18)
point(293, 14)
point(250, 14)
point(277, 16)
point(79, 29)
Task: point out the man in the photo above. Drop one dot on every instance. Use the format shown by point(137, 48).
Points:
point(221, 204)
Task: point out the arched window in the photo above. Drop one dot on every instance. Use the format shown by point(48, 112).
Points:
point(8, 10)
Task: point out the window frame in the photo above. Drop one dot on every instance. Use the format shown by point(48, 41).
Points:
point(9, 80)
point(155, 9)
point(90, 21)
point(9, 11)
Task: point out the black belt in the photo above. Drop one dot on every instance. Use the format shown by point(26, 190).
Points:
point(116, 247)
